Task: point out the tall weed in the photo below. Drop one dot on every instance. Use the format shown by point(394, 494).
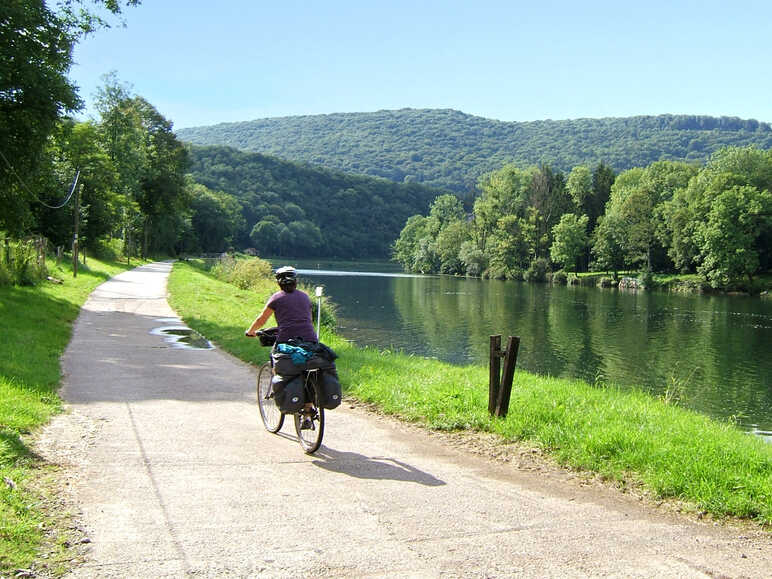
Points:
point(21, 261)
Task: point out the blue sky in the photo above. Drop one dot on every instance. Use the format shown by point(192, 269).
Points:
point(201, 63)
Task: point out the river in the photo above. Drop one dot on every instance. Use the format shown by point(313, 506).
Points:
point(711, 353)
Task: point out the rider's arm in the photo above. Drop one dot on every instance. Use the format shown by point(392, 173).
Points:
point(259, 321)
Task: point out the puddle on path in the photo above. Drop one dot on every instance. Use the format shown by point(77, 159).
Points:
point(183, 337)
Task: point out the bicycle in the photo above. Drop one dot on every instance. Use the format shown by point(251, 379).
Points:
point(310, 439)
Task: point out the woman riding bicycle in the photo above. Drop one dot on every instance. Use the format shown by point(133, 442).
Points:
point(291, 307)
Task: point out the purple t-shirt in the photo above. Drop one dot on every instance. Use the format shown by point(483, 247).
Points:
point(293, 314)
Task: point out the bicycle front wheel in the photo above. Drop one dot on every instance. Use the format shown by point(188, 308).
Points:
point(270, 413)
point(310, 438)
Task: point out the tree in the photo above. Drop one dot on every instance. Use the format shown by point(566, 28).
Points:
point(426, 259)
point(97, 175)
point(449, 242)
point(548, 196)
point(150, 160)
point(76, 147)
point(508, 250)
point(406, 246)
point(534, 237)
point(688, 210)
point(570, 240)
point(579, 187)
point(124, 140)
point(729, 236)
point(603, 178)
point(503, 193)
point(664, 180)
point(265, 236)
point(216, 218)
point(36, 44)
point(444, 210)
point(34, 94)
point(608, 244)
point(472, 258)
point(306, 238)
point(162, 187)
point(639, 199)
point(293, 212)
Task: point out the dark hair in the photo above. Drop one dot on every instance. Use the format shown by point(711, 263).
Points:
point(288, 285)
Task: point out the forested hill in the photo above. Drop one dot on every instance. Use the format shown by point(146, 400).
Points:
point(295, 209)
point(450, 149)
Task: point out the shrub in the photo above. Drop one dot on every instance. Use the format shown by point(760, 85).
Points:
point(223, 267)
point(607, 282)
point(572, 279)
point(246, 273)
point(495, 272)
point(689, 285)
point(5, 276)
point(516, 274)
point(537, 271)
point(21, 263)
point(559, 277)
point(108, 249)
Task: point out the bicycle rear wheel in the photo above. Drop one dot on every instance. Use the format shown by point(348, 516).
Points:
point(310, 438)
point(270, 413)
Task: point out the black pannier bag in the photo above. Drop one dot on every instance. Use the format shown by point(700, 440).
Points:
point(288, 393)
point(329, 390)
point(284, 366)
point(318, 361)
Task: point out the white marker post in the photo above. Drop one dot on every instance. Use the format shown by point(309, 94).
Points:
point(319, 290)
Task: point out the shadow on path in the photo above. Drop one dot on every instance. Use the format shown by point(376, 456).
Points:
point(375, 467)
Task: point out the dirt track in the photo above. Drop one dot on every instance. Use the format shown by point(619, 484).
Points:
point(174, 475)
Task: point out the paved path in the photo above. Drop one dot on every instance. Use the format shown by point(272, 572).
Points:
point(175, 476)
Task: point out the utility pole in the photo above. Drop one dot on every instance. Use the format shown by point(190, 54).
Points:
point(75, 236)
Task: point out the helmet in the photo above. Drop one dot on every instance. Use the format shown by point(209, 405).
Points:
point(286, 274)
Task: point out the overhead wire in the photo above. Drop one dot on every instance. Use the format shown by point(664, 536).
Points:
point(27, 190)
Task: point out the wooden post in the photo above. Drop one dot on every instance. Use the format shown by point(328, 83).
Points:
point(505, 391)
point(495, 371)
point(41, 245)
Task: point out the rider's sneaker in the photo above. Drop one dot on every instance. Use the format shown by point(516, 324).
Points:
point(307, 424)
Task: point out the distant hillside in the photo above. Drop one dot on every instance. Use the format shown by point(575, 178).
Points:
point(450, 149)
point(309, 211)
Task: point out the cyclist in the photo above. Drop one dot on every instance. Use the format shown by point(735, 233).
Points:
point(292, 309)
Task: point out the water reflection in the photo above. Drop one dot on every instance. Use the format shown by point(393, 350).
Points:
point(712, 352)
point(183, 337)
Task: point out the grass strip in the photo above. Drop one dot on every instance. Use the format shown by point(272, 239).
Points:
point(629, 437)
point(37, 325)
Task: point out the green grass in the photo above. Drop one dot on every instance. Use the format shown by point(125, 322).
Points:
point(632, 438)
point(37, 324)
